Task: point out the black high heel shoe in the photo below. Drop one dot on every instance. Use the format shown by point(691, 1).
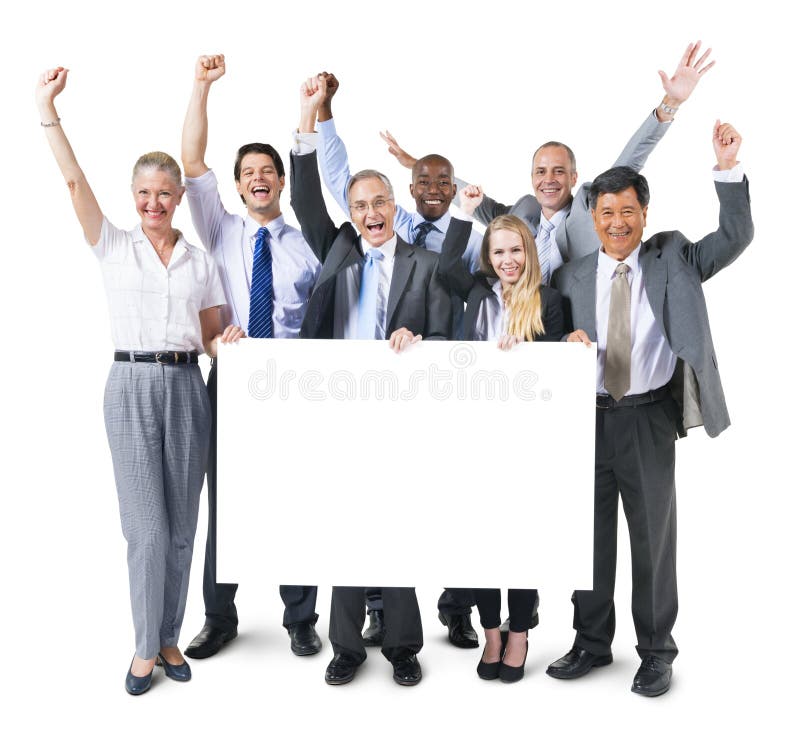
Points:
point(491, 671)
point(510, 674)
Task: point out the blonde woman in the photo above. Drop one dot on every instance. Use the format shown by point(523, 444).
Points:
point(164, 297)
point(507, 303)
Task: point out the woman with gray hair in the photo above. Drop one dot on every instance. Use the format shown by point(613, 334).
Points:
point(164, 297)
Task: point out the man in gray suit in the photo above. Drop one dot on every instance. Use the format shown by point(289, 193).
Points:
point(560, 222)
point(373, 286)
point(642, 303)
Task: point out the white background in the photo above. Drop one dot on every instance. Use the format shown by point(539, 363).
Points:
point(483, 83)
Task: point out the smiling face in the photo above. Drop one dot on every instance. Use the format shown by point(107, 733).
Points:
point(619, 220)
point(372, 210)
point(553, 178)
point(507, 256)
point(260, 186)
point(433, 188)
point(156, 195)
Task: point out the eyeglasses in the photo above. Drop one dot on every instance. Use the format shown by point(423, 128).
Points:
point(362, 206)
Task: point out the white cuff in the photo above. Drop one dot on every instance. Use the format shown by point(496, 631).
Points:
point(304, 143)
point(734, 175)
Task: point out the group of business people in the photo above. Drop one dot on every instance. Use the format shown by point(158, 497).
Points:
point(552, 266)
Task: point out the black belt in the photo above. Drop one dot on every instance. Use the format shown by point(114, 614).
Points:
point(157, 357)
point(606, 402)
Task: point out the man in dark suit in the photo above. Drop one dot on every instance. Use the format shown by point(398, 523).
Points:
point(372, 285)
point(642, 303)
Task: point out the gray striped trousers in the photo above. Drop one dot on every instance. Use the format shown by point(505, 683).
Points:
point(158, 421)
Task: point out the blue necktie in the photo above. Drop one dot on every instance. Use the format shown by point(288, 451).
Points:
point(422, 233)
point(545, 246)
point(368, 295)
point(260, 322)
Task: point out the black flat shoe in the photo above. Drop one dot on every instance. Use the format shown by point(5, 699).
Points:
point(577, 662)
point(341, 670)
point(653, 677)
point(209, 641)
point(179, 672)
point(407, 672)
point(459, 630)
point(376, 631)
point(136, 685)
point(304, 639)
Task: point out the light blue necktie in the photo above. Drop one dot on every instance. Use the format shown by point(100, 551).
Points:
point(260, 323)
point(368, 295)
point(545, 247)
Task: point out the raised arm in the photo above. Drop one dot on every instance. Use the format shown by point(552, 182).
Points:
point(677, 90)
point(453, 273)
point(194, 141)
point(50, 84)
point(332, 153)
point(304, 184)
point(735, 232)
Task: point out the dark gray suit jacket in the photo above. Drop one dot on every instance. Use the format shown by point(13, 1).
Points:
point(417, 299)
point(674, 268)
point(575, 235)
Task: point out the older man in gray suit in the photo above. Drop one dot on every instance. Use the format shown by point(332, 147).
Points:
point(642, 303)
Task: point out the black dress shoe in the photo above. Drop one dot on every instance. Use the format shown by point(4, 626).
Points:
point(407, 671)
point(376, 631)
point(137, 684)
point(491, 671)
point(209, 641)
point(510, 674)
point(304, 639)
point(653, 677)
point(341, 669)
point(176, 672)
point(577, 662)
point(459, 630)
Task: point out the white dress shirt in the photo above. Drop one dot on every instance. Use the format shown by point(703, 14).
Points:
point(345, 308)
point(294, 266)
point(154, 307)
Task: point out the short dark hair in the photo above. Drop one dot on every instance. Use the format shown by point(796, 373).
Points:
point(617, 180)
point(428, 159)
point(262, 149)
point(553, 143)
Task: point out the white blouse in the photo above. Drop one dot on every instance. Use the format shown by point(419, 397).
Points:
point(154, 307)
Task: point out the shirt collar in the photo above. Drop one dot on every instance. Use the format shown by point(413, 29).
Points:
point(607, 265)
point(181, 246)
point(388, 248)
point(275, 227)
point(440, 224)
point(557, 218)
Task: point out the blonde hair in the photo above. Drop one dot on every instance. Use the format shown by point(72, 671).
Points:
point(158, 161)
point(524, 299)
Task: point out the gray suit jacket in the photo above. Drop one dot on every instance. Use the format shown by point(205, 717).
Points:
point(575, 235)
point(417, 299)
point(673, 269)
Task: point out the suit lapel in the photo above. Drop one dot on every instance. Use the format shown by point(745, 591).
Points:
point(401, 272)
point(655, 280)
point(584, 295)
point(345, 251)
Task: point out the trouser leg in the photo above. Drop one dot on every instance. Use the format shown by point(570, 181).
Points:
point(488, 602)
point(217, 597)
point(403, 623)
point(346, 621)
point(133, 416)
point(456, 601)
point(594, 618)
point(522, 603)
point(187, 423)
point(646, 474)
point(299, 604)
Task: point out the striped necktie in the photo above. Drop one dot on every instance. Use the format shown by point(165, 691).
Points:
point(260, 322)
point(368, 295)
point(545, 247)
point(422, 233)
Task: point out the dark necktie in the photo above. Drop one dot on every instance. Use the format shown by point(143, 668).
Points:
point(260, 322)
point(422, 233)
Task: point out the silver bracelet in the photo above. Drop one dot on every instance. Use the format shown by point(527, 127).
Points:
point(51, 123)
